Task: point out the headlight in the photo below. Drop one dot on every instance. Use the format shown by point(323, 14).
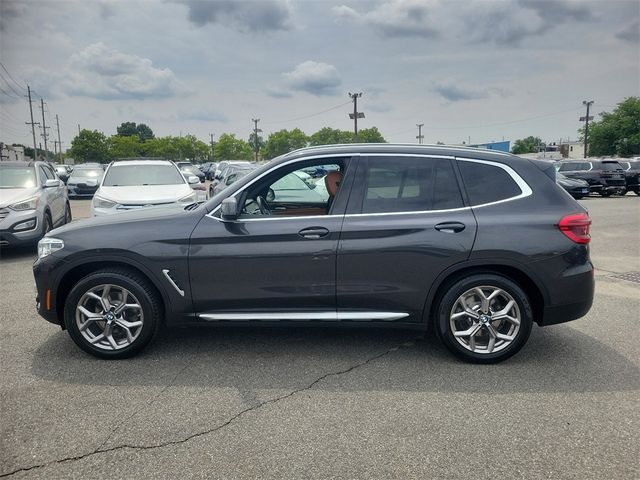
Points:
point(99, 202)
point(188, 198)
point(48, 245)
point(28, 204)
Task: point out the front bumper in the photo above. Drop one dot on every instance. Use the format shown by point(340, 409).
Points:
point(81, 190)
point(45, 273)
point(10, 237)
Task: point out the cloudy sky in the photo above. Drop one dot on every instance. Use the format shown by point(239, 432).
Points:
point(487, 70)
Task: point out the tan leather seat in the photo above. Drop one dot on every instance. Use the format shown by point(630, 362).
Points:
point(332, 182)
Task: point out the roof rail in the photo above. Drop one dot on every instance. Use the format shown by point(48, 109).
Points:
point(391, 145)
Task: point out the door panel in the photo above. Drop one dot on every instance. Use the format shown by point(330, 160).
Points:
point(388, 262)
point(264, 265)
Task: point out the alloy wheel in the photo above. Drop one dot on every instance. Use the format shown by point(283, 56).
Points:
point(485, 319)
point(109, 317)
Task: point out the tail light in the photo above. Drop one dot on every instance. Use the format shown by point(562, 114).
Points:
point(576, 227)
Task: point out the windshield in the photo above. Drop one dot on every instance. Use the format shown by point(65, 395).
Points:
point(87, 172)
point(130, 175)
point(17, 177)
point(611, 166)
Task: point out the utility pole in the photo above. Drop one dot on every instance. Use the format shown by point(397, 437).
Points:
point(44, 130)
point(255, 136)
point(59, 142)
point(213, 144)
point(356, 114)
point(586, 125)
point(78, 129)
point(33, 125)
point(420, 137)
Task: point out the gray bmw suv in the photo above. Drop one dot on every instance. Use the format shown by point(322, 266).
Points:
point(475, 246)
point(33, 200)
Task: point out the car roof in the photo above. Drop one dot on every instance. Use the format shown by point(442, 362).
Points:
point(141, 162)
point(400, 148)
point(19, 164)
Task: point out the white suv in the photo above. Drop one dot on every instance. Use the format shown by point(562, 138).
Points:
point(135, 184)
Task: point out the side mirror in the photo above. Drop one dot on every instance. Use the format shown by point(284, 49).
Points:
point(229, 208)
point(191, 179)
point(52, 183)
point(230, 179)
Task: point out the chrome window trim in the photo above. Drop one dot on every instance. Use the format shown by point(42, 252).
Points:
point(524, 187)
point(331, 315)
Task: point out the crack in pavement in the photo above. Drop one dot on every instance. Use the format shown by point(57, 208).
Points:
point(231, 420)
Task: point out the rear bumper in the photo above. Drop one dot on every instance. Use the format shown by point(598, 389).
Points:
point(578, 289)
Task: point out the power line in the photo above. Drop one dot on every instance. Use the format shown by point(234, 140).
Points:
point(11, 76)
point(10, 86)
point(311, 115)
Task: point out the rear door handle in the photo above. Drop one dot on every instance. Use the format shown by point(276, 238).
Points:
point(450, 227)
point(313, 233)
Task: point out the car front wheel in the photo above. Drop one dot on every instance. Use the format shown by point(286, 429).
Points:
point(485, 318)
point(112, 314)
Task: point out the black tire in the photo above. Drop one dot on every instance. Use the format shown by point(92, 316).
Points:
point(449, 299)
point(67, 214)
point(48, 224)
point(140, 287)
point(605, 193)
point(637, 192)
point(578, 197)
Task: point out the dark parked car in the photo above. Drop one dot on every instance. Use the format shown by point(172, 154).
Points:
point(84, 180)
point(231, 173)
point(605, 177)
point(632, 174)
point(188, 169)
point(474, 245)
point(209, 170)
point(574, 186)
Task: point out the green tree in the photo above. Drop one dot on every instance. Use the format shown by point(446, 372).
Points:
point(284, 141)
point(229, 147)
point(370, 135)
point(122, 147)
point(527, 145)
point(126, 129)
point(90, 146)
point(129, 129)
point(617, 132)
point(252, 142)
point(330, 136)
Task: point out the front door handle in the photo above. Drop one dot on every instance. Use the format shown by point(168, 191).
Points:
point(450, 227)
point(313, 233)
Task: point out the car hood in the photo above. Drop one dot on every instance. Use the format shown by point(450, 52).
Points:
point(145, 194)
point(9, 196)
point(572, 182)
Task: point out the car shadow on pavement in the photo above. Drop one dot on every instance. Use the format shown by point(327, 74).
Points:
point(556, 359)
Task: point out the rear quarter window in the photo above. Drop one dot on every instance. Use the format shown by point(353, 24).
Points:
point(487, 183)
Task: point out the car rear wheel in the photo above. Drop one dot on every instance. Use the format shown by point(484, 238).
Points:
point(112, 314)
point(485, 318)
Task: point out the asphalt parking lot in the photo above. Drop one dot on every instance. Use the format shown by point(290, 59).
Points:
point(323, 403)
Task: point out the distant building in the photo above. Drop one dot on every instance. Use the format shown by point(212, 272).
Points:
point(498, 146)
point(571, 149)
point(9, 153)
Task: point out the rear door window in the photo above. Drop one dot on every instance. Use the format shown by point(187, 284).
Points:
point(405, 184)
point(487, 183)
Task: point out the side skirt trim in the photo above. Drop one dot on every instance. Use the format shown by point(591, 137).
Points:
point(331, 316)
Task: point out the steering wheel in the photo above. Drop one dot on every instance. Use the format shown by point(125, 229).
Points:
point(263, 205)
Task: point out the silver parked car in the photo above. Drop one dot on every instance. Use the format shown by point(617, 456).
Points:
point(33, 200)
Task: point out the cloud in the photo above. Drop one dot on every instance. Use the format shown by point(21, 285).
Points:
point(315, 78)
point(486, 21)
point(630, 33)
point(400, 18)
point(102, 72)
point(455, 92)
point(10, 11)
point(246, 15)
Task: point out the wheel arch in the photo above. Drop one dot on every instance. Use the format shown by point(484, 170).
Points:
point(72, 275)
point(519, 274)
